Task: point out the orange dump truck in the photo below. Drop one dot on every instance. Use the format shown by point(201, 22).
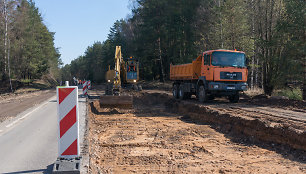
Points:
point(215, 73)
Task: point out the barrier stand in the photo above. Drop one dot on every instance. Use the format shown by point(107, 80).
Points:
point(85, 88)
point(89, 84)
point(69, 159)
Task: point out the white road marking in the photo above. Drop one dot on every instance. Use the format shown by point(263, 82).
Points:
point(23, 117)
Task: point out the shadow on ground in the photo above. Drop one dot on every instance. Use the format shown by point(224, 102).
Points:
point(48, 170)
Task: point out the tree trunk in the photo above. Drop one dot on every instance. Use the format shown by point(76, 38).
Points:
point(304, 90)
point(161, 78)
point(221, 28)
point(4, 75)
point(304, 82)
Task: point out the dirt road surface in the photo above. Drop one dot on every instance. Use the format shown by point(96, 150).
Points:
point(161, 135)
point(12, 105)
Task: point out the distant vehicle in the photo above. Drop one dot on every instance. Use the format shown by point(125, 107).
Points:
point(215, 73)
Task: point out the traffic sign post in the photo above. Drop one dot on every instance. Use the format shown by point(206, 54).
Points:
point(68, 135)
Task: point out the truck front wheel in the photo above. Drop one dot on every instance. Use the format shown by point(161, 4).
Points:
point(175, 91)
point(202, 96)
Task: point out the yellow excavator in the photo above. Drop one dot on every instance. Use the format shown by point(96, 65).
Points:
point(113, 93)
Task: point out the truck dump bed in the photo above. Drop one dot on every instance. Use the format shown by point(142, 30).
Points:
point(188, 71)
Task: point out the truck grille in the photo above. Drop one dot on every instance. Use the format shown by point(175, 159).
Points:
point(231, 76)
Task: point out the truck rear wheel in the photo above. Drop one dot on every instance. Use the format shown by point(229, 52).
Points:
point(202, 96)
point(175, 91)
point(181, 92)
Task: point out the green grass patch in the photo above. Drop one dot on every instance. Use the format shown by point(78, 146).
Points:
point(35, 84)
point(40, 85)
point(26, 80)
point(294, 93)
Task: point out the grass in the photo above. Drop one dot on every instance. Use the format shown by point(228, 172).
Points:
point(291, 93)
point(26, 81)
point(28, 85)
point(25, 90)
point(31, 86)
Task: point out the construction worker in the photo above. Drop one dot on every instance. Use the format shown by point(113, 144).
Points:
point(132, 67)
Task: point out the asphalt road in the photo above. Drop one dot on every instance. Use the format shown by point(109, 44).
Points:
point(28, 143)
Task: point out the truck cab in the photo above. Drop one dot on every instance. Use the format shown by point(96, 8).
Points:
point(215, 73)
point(224, 71)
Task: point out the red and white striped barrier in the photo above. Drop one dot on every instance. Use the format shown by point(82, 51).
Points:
point(89, 84)
point(67, 102)
point(85, 88)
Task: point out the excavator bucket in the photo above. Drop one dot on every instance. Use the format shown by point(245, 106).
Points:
point(115, 101)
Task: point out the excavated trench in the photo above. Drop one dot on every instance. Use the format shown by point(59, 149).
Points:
point(255, 129)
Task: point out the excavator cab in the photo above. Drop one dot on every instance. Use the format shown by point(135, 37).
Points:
point(132, 73)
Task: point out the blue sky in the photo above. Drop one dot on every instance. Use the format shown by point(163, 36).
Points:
point(79, 23)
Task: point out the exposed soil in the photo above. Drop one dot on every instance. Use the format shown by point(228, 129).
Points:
point(270, 124)
point(162, 135)
point(13, 104)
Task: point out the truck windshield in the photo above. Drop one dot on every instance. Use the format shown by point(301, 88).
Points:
point(220, 58)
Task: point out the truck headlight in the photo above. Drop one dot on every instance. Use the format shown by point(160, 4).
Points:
point(215, 86)
point(244, 87)
point(134, 81)
point(108, 80)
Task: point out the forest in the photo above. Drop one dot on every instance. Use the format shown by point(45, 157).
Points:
point(161, 32)
point(27, 48)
